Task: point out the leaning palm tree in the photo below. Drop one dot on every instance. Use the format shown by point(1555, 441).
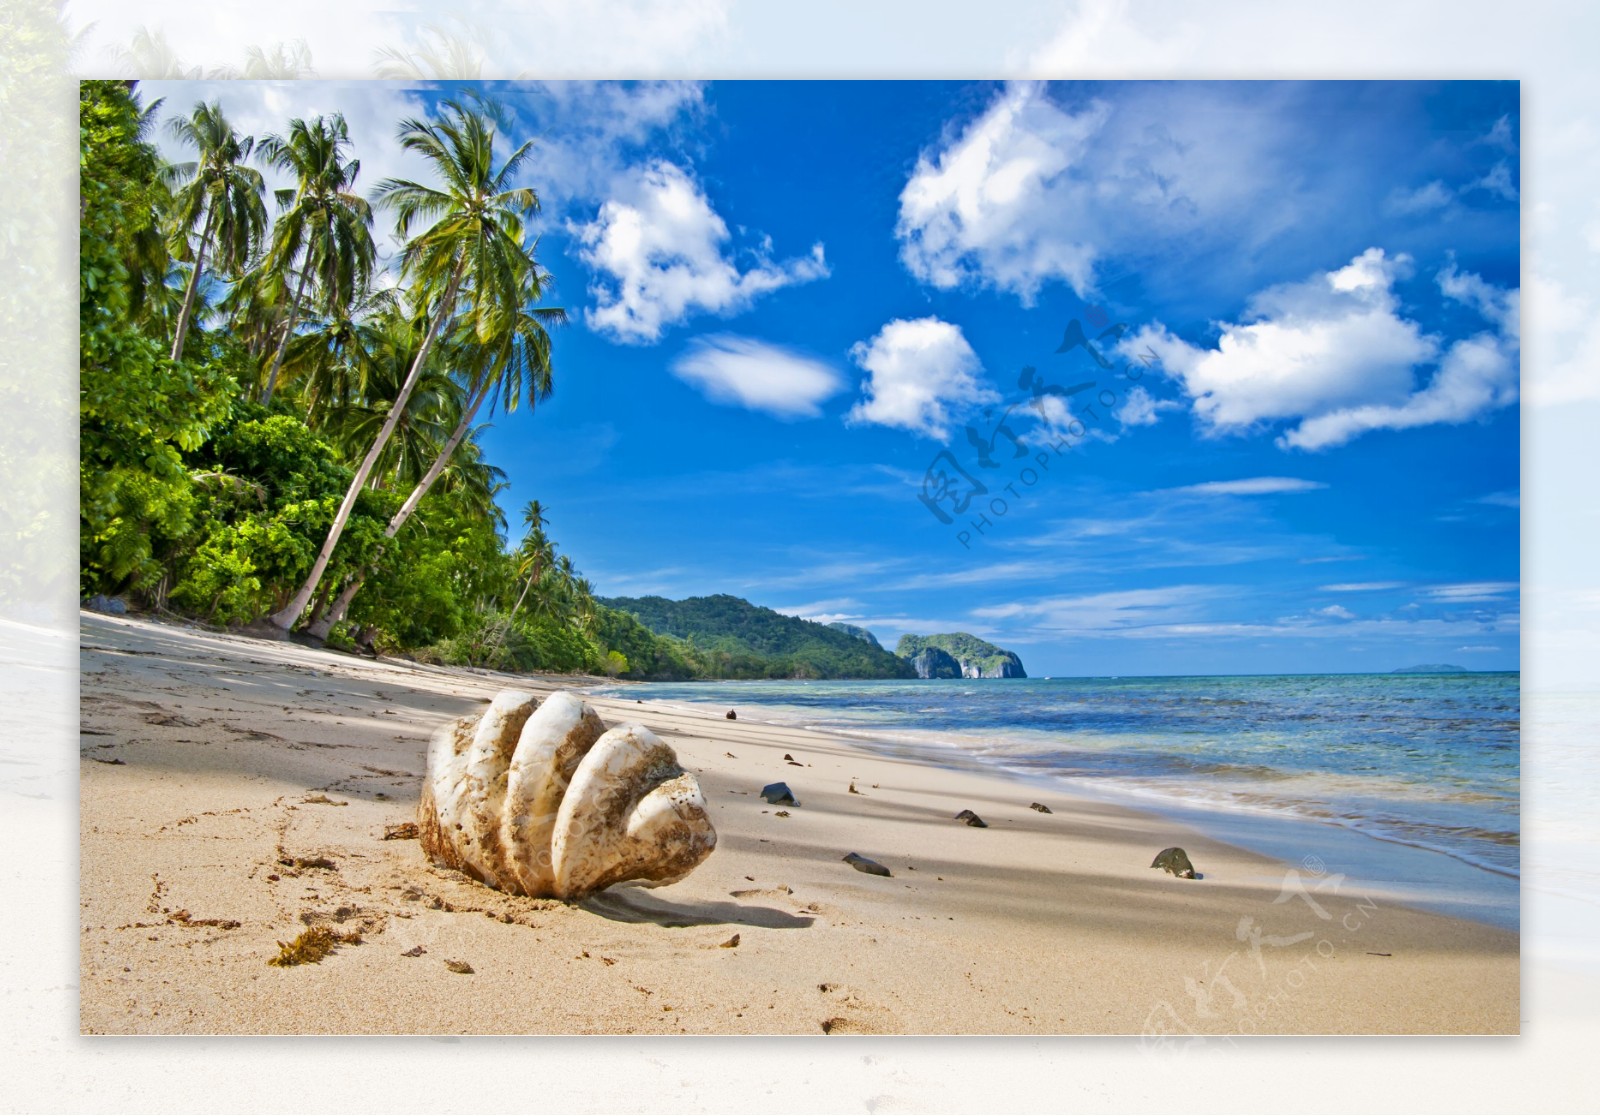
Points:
point(476, 240)
point(511, 365)
point(219, 198)
point(324, 229)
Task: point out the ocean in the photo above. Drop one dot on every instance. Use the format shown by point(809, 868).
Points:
point(1408, 783)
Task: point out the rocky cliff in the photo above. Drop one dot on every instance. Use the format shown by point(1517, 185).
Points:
point(958, 655)
point(857, 631)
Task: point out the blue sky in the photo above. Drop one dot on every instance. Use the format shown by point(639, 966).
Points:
point(1301, 452)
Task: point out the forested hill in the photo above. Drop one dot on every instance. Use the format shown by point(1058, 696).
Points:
point(741, 640)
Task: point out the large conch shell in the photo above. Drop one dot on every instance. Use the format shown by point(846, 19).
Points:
point(539, 799)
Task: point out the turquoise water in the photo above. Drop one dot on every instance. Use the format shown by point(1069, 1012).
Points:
point(1429, 761)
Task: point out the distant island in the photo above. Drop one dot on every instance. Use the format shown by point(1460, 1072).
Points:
point(1432, 668)
point(958, 655)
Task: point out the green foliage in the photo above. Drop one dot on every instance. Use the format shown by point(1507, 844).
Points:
point(732, 638)
point(138, 410)
point(195, 496)
point(267, 489)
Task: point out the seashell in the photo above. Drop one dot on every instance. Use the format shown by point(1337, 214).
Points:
point(540, 800)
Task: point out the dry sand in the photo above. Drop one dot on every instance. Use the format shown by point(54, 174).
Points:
point(235, 791)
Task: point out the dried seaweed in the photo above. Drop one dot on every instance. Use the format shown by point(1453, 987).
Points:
point(312, 946)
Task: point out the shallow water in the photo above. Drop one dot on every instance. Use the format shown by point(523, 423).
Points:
point(1428, 763)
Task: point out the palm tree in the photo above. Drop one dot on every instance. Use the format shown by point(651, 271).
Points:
point(331, 361)
point(219, 196)
point(476, 241)
point(509, 365)
point(148, 55)
point(518, 361)
point(323, 225)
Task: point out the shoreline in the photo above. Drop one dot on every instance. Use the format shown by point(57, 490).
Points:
point(205, 757)
point(1410, 873)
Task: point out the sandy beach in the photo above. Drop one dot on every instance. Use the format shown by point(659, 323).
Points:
point(235, 792)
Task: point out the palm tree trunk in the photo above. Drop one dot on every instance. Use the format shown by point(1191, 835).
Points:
point(322, 627)
point(438, 465)
point(285, 618)
point(189, 295)
point(523, 595)
point(288, 331)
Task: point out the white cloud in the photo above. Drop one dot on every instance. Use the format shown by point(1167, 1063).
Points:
point(1336, 612)
point(1498, 182)
point(822, 612)
point(658, 254)
point(1105, 613)
point(1037, 190)
point(1512, 499)
point(588, 135)
point(757, 376)
point(1336, 353)
point(1362, 586)
point(985, 206)
point(1469, 591)
point(1143, 409)
point(1251, 486)
point(917, 370)
point(1424, 199)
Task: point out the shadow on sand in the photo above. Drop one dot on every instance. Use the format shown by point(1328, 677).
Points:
point(630, 904)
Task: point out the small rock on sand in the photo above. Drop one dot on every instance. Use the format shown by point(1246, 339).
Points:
point(1176, 861)
point(972, 819)
point(731, 943)
point(862, 864)
point(779, 794)
point(1039, 806)
point(732, 716)
point(459, 967)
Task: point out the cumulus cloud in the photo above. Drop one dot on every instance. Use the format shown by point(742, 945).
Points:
point(658, 252)
point(917, 371)
point(985, 206)
point(1040, 186)
point(1336, 612)
point(1251, 486)
point(1336, 353)
point(757, 376)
